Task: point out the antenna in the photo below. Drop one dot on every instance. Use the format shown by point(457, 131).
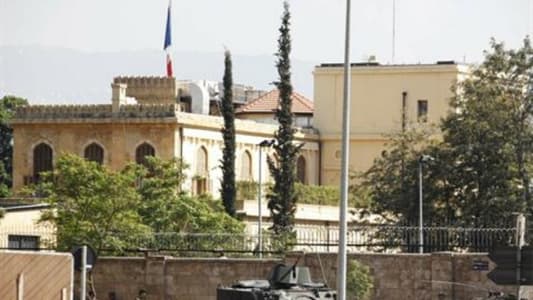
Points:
point(393, 29)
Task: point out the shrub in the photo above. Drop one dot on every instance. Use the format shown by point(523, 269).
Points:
point(359, 281)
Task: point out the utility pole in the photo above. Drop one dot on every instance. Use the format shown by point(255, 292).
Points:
point(342, 260)
point(520, 241)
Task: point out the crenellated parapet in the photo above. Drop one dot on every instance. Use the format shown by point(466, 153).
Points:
point(149, 110)
point(63, 111)
point(150, 89)
point(103, 111)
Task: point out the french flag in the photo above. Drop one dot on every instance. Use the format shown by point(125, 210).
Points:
point(168, 42)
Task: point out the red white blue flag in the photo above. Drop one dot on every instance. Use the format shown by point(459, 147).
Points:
point(168, 42)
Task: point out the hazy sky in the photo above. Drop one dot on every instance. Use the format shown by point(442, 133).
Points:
point(426, 30)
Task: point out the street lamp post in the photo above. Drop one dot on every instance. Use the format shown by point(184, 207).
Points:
point(264, 143)
point(423, 159)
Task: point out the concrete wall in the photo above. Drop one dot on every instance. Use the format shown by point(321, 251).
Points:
point(396, 276)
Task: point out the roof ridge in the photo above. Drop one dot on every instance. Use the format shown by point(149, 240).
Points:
point(308, 103)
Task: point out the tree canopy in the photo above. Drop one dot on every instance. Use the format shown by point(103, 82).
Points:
point(121, 210)
point(228, 190)
point(482, 168)
point(91, 204)
point(282, 197)
point(8, 105)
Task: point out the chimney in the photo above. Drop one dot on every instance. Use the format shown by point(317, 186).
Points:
point(118, 96)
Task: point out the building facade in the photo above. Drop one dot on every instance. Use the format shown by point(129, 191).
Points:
point(121, 132)
point(382, 98)
point(170, 118)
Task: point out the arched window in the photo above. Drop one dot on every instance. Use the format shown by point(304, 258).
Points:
point(42, 160)
point(200, 180)
point(246, 166)
point(300, 170)
point(142, 151)
point(201, 162)
point(94, 152)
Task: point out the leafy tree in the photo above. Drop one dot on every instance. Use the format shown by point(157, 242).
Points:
point(91, 204)
point(165, 208)
point(282, 198)
point(392, 180)
point(5, 179)
point(359, 281)
point(8, 105)
point(228, 190)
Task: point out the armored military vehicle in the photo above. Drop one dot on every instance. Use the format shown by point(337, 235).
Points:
point(284, 283)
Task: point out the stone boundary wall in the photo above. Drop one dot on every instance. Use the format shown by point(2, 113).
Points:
point(172, 278)
point(396, 276)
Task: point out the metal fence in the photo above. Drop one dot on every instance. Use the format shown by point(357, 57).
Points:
point(367, 238)
point(395, 239)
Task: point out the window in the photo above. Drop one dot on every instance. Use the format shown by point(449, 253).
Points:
point(42, 160)
point(200, 180)
point(422, 111)
point(142, 152)
point(201, 162)
point(94, 152)
point(23, 242)
point(300, 170)
point(246, 166)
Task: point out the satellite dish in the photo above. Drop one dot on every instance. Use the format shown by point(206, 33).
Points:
point(77, 253)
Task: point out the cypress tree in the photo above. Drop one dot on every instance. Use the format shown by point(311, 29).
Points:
point(227, 189)
point(282, 198)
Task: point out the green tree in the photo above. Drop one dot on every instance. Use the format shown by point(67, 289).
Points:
point(5, 180)
point(282, 197)
point(227, 188)
point(91, 204)
point(359, 281)
point(8, 105)
point(489, 135)
point(392, 180)
point(166, 208)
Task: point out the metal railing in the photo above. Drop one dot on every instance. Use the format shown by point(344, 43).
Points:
point(367, 238)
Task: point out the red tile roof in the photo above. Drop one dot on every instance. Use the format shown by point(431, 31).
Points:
point(268, 103)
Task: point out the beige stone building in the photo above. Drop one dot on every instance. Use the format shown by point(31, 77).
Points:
point(170, 118)
point(380, 96)
point(147, 116)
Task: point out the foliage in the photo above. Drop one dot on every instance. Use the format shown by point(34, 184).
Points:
point(121, 210)
point(4, 181)
point(359, 281)
point(282, 198)
point(392, 180)
point(247, 190)
point(167, 209)
point(489, 137)
point(483, 164)
point(89, 203)
point(227, 186)
point(328, 195)
point(8, 105)
point(158, 190)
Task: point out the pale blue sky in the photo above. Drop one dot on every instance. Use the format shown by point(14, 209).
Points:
point(426, 30)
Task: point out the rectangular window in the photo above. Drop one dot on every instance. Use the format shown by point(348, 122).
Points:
point(422, 111)
point(28, 242)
